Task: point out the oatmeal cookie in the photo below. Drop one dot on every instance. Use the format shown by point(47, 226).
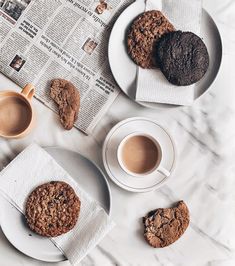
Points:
point(144, 32)
point(52, 209)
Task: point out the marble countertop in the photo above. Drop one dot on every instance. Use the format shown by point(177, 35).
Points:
point(204, 176)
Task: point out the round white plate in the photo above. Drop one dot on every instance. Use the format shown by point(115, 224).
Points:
point(114, 138)
point(124, 69)
point(87, 175)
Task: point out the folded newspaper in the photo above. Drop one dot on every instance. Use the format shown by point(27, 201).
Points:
point(45, 39)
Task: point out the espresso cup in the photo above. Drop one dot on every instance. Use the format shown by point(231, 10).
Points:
point(16, 112)
point(140, 154)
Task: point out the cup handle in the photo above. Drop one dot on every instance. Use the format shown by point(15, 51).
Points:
point(163, 171)
point(28, 91)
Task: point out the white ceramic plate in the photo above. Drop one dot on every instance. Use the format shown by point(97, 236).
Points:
point(86, 174)
point(114, 138)
point(124, 69)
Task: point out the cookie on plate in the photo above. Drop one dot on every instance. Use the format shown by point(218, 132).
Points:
point(164, 226)
point(144, 32)
point(67, 97)
point(183, 57)
point(52, 209)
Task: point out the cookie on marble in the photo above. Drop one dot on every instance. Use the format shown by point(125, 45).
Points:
point(67, 97)
point(52, 209)
point(183, 57)
point(143, 34)
point(164, 226)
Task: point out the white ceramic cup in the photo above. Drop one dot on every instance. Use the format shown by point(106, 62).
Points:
point(158, 166)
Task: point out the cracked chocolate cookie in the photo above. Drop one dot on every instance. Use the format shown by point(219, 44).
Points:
point(67, 97)
point(183, 57)
point(144, 32)
point(52, 209)
point(164, 226)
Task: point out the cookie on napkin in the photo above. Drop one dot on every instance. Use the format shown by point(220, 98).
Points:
point(52, 209)
point(33, 167)
point(152, 85)
point(183, 57)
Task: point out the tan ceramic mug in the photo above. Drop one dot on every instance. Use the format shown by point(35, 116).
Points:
point(16, 112)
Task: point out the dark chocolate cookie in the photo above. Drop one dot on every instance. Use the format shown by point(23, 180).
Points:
point(144, 32)
point(164, 226)
point(183, 57)
point(52, 209)
point(67, 97)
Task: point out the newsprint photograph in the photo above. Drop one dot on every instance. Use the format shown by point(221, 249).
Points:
point(14, 8)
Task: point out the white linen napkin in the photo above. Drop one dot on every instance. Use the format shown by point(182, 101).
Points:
point(33, 167)
point(152, 86)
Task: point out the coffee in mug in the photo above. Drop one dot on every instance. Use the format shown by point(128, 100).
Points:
point(16, 113)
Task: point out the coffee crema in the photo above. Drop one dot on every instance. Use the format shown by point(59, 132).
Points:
point(140, 154)
point(15, 115)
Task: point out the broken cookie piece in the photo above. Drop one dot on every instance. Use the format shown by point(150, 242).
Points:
point(164, 226)
point(67, 97)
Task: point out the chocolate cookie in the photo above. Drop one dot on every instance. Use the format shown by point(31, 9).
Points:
point(144, 32)
point(52, 209)
point(164, 226)
point(67, 97)
point(183, 57)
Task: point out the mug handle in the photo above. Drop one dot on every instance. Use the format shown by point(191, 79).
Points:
point(28, 91)
point(163, 171)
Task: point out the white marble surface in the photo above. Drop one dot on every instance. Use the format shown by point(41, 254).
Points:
point(204, 177)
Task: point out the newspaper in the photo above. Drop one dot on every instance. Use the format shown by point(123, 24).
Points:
point(45, 39)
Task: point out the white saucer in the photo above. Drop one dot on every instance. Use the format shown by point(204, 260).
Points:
point(124, 69)
point(117, 174)
point(86, 174)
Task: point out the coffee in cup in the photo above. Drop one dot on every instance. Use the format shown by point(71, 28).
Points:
point(16, 113)
point(140, 154)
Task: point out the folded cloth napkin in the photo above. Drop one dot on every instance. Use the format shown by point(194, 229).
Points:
point(152, 86)
point(33, 167)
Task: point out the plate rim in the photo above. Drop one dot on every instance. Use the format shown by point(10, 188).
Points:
point(158, 105)
point(134, 190)
point(96, 165)
point(23, 252)
point(109, 213)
